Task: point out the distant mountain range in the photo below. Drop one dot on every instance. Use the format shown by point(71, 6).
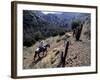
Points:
point(44, 24)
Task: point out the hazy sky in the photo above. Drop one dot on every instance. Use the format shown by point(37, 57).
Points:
point(50, 12)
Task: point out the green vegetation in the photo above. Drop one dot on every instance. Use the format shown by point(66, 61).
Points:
point(77, 28)
point(75, 24)
point(58, 40)
point(36, 28)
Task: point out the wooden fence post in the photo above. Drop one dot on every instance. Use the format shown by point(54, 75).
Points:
point(64, 55)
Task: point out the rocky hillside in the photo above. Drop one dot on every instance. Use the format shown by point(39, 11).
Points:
point(53, 28)
point(38, 26)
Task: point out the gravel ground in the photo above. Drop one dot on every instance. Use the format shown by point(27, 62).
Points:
point(79, 54)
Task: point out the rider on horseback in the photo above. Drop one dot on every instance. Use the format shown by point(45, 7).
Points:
point(41, 48)
point(41, 44)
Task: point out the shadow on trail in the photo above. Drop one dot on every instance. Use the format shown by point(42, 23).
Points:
point(36, 61)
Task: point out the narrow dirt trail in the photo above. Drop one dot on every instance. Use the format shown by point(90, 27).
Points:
point(29, 58)
point(48, 56)
point(78, 55)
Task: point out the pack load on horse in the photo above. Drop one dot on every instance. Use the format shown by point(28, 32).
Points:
point(41, 48)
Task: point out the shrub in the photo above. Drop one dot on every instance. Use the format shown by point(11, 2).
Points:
point(75, 24)
point(28, 42)
point(62, 33)
point(54, 33)
point(38, 36)
point(58, 40)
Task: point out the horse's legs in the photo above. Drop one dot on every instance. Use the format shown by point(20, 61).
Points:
point(38, 55)
point(35, 56)
point(43, 53)
point(46, 51)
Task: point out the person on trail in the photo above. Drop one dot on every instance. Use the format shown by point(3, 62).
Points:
point(41, 44)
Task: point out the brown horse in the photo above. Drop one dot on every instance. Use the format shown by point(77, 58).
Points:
point(41, 50)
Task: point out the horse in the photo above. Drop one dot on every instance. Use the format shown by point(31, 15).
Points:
point(41, 49)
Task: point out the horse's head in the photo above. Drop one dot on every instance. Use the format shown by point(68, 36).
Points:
point(48, 45)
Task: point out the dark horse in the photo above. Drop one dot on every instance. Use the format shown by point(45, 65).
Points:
point(41, 49)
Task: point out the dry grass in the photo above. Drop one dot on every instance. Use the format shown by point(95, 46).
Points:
point(78, 54)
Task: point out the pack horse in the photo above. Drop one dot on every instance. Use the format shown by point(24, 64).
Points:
point(41, 49)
